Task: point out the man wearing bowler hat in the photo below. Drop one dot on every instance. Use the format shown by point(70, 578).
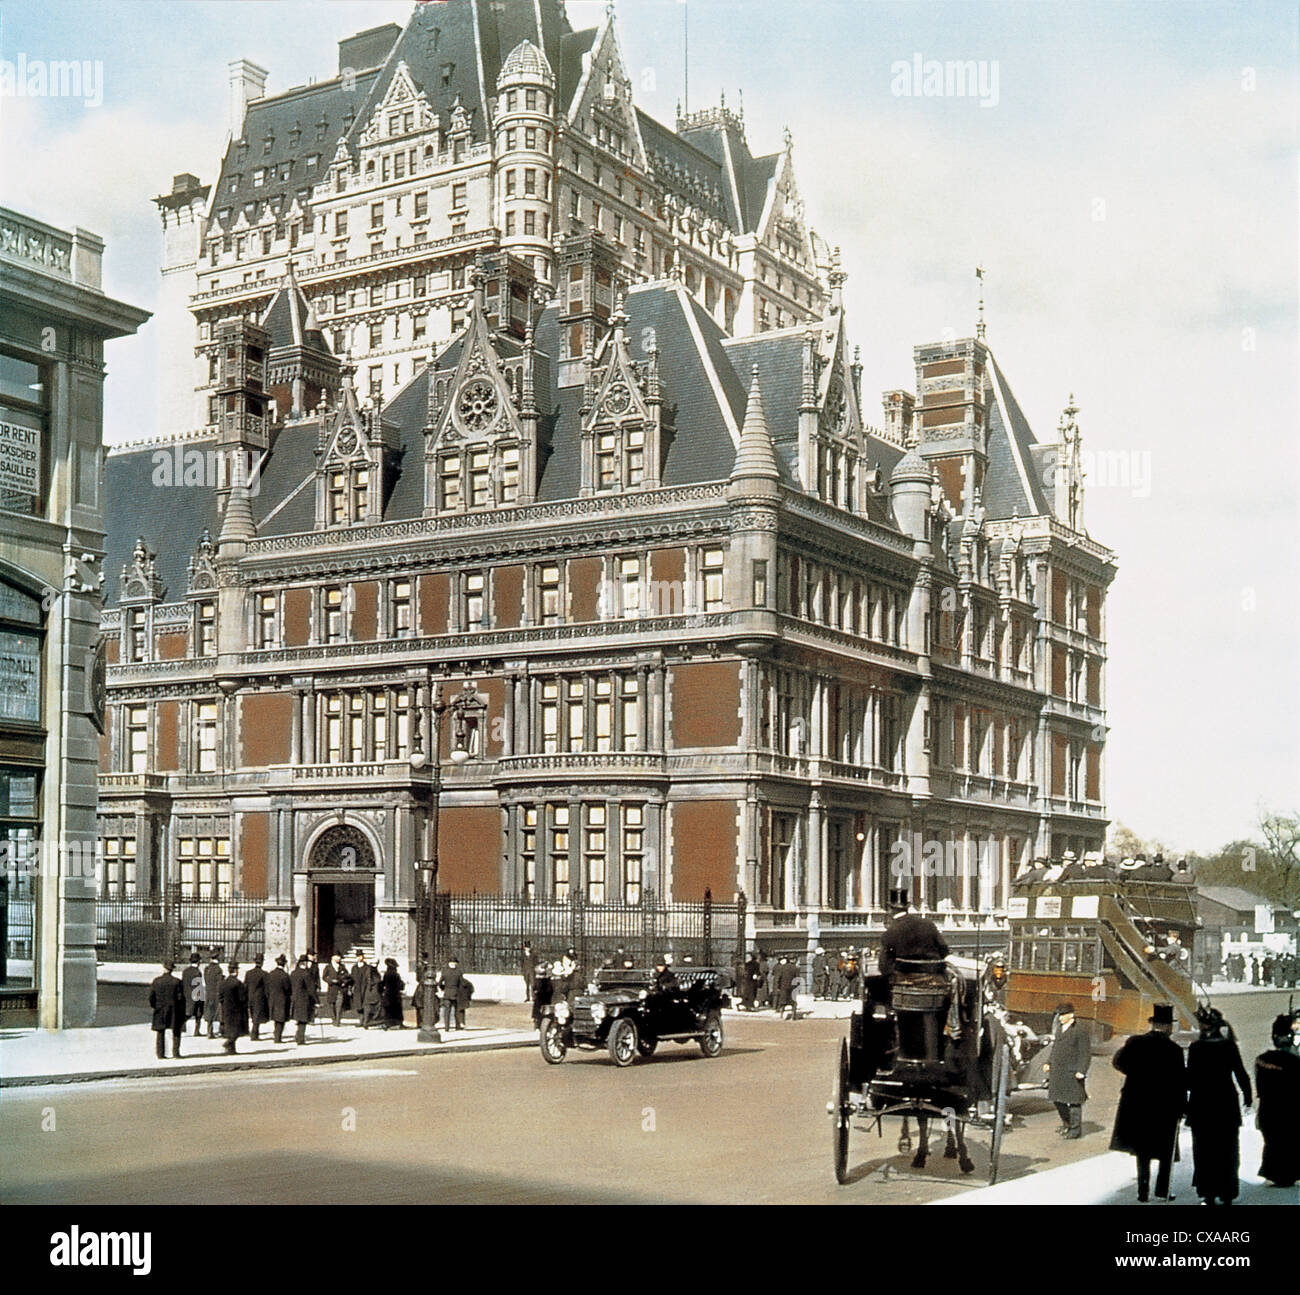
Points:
point(1152, 1101)
point(279, 996)
point(1067, 1069)
point(167, 999)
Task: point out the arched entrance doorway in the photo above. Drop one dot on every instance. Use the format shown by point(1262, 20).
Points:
point(342, 872)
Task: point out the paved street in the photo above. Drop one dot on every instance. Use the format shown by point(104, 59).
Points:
point(504, 1127)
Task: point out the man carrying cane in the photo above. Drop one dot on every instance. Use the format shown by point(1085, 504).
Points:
point(1152, 1102)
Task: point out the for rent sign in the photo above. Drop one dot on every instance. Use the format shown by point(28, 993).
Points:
point(20, 458)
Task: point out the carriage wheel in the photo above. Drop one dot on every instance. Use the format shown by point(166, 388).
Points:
point(840, 1132)
point(1001, 1086)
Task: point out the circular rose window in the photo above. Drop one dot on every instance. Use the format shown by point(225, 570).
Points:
point(477, 406)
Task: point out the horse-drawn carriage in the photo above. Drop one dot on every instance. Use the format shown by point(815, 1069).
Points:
point(928, 1044)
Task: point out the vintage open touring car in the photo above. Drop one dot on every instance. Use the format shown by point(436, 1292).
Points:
point(626, 1014)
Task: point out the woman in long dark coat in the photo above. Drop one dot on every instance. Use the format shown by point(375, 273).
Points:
point(1213, 1113)
point(390, 995)
point(1277, 1076)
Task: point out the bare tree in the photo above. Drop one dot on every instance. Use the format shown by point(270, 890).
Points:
point(1281, 833)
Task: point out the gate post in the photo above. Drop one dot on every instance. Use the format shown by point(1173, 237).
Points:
point(708, 926)
point(742, 906)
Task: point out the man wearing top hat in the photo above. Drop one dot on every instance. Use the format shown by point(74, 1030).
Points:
point(279, 995)
point(195, 992)
point(1067, 1069)
point(1152, 1101)
point(167, 999)
point(259, 1007)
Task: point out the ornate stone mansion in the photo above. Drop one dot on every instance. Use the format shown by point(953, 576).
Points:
point(509, 398)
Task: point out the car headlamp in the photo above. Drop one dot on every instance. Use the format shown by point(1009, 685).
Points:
point(645, 993)
point(561, 1011)
point(598, 1011)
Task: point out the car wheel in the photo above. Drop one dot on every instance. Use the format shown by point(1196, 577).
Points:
point(711, 1042)
point(623, 1042)
point(646, 1047)
point(552, 1041)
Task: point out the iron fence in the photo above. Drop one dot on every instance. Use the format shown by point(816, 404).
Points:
point(149, 929)
point(488, 932)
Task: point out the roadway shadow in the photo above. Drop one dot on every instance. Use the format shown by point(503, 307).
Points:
point(276, 1178)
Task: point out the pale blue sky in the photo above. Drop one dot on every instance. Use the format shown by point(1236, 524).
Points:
point(1132, 196)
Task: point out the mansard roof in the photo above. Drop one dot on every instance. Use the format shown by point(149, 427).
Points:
point(334, 103)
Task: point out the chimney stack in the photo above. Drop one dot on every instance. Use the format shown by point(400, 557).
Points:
point(247, 83)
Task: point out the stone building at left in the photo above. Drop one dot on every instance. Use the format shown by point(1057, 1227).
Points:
point(54, 321)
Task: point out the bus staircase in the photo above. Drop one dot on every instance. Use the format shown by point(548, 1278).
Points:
point(1153, 978)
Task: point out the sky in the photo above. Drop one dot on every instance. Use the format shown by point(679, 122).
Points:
point(1128, 180)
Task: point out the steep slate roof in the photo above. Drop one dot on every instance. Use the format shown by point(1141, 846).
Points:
point(662, 143)
point(779, 356)
point(171, 518)
point(290, 321)
point(445, 35)
point(1007, 490)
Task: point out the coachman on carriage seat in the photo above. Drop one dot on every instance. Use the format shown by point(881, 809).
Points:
point(912, 953)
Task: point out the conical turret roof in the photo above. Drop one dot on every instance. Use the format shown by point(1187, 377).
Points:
point(755, 455)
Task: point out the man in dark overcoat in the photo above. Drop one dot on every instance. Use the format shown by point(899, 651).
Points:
point(819, 973)
point(191, 977)
point(749, 983)
point(234, 1008)
point(212, 990)
point(279, 995)
point(259, 1006)
point(303, 997)
point(449, 986)
point(1152, 1101)
point(1067, 1070)
point(783, 985)
point(338, 985)
point(1213, 1113)
point(167, 999)
point(1277, 1079)
point(365, 991)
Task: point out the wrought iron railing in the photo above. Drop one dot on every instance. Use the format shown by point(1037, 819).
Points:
point(487, 932)
point(173, 925)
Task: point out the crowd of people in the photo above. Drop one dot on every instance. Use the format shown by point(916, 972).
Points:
point(225, 1005)
point(1278, 970)
point(1096, 868)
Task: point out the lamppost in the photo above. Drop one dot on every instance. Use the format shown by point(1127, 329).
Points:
point(459, 754)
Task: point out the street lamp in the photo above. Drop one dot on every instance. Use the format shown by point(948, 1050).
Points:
point(462, 732)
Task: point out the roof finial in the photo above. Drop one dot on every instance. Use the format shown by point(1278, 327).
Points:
point(979, 328)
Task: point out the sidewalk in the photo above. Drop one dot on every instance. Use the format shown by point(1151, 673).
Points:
point(30, 1057)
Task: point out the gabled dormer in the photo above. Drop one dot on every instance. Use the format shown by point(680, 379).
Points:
point(481, 447)
point(624, 442)
point(356, 461)
point(832, 444)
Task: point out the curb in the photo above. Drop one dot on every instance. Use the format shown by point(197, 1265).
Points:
point(271, 1063)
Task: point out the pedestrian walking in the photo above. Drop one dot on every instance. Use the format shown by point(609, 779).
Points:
point(1277, 1079)
point(167, 999)
point(338, 982)
point(212, 994)
point(259, 1005)
point(449, 986)
point(835, 977)
point(1152, 1101)
point(764, 996)
point(819, 972)
point(852, 972)
point(1213, 1114)
point(783, 985)
point(749, 983)
point(1067, 1070)
point(390, 996)
point(528, 969)
point(195, 991)
point(279, 996)
point(234, 1008)
point(303, 997)
point(365, 991)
